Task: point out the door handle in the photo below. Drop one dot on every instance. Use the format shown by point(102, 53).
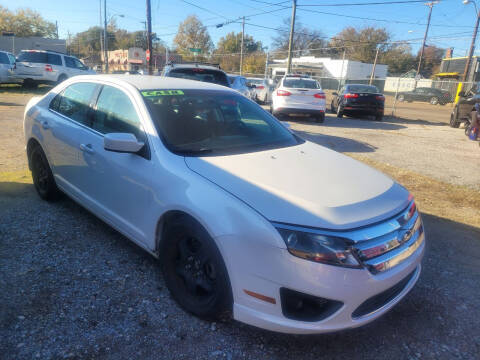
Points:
point(87, 148)
point(45, 125)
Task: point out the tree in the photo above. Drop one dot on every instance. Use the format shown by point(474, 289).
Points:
point(25, 23)
point(399, 59)
point(432, 58)
point(192, 34)
point(304, 40)
point(229, 48)
point(361, 44)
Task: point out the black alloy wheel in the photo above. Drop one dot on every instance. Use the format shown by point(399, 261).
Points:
point(194, 271)
point(434, 100)
point(42, 175)
point(454, 123)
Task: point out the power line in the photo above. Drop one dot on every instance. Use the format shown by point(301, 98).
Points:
point(369, 3)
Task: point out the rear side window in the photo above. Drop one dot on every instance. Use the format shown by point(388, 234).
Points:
point(54, 59)
point(74, 102)
point(116, 114)
point(69, 62)
point(33, 57)
point(199, 74)
point(4, 58)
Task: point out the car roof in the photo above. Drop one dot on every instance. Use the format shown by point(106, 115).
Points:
point(152, 82)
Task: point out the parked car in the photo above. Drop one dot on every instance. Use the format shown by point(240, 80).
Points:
point(431, 95)
point(35, 67)
point(298, 95)
point(204, 72)
point(239, 83)
point(358, 99)
point(7, 65)
point(262, 92)
point(465, 105)
point(246, 217)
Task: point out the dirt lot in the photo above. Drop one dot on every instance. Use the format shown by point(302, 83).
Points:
point(72, 287)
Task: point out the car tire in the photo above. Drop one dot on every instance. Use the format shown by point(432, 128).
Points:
point(332, 108)
point(454, 123)
point(42, 175)
point(401, 98)
point(339, 112)
point(29, 84)
point(61, 78)
point(434, 100)
point(320, 118)
point(378, 117)
point(194, 270)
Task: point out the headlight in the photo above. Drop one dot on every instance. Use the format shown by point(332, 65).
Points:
point(319, 248)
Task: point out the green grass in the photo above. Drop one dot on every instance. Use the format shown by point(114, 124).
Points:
point(18, 89)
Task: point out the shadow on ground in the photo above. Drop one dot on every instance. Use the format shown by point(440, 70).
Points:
point(9, 104)
point(337, 143)
point(399, 120)
point(19, 89)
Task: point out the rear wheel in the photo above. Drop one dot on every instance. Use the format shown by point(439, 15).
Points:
point(378, 117)
point(401, 97)
point(434, 100)
point(339, 112)
point(29, 84)
point(194, 270)
point(42, 175)
point(454, 123)
point(320, 118)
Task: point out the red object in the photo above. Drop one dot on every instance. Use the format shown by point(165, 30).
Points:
point(283, 93)
point(349, 96)
point(380, 97)
point(147, 53)
point(260, 87)
point(319, 96)
point(48, 68)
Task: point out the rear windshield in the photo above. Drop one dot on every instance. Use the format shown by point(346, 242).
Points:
point(39, 57)
point(363, 89)
point(4, 58)
point(301, 83)
point(205, 75)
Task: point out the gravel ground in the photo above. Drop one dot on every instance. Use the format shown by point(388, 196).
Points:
point(73, 288)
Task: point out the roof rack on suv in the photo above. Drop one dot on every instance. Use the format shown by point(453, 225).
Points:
point(197, 63)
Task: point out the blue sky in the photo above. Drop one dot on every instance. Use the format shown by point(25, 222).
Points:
point(452, 22)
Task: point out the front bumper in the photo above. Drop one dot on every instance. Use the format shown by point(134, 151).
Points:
point(365, 293)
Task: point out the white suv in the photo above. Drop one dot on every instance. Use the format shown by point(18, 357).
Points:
point(247, 218)
point(7, 64)
point(299, 95)
point(39, 66)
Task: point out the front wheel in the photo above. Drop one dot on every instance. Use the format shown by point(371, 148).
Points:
point(194, 270)
point(454, 123)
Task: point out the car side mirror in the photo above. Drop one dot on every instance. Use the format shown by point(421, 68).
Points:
point(122, 143)
point(334, 93)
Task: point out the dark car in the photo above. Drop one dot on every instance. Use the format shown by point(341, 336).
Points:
point(197, 71)
point(358, 99)
point(431, 95)
point(462, 111)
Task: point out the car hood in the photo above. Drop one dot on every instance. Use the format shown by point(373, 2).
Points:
point(307, 185)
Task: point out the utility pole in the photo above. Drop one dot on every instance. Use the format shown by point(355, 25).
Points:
point(101, 40)
point(105, 38)
point(430, 5)
point(56, 27)
point(472, 48)
point(290, 40)
point(241, 45)
point(266, 66)
point(149, 37)
point(341, 71)
point(372, 75)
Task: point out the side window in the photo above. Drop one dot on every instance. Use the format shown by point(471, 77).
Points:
point(54, 59)
point(74, 102)
point(116, 114)
point(69, 62)
point(78, 64)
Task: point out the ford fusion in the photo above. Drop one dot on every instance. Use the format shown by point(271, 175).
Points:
point(247, 219)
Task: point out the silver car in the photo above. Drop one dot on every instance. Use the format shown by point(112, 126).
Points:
point(261, 88)
point(7, 64)
point(239, 83)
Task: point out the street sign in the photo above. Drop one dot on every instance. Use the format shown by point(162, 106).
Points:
point(195, 50)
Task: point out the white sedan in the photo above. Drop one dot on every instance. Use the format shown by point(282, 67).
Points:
point(298, 95)
point(248, 219)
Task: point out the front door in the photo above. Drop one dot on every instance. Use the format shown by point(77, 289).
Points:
point(120, 183)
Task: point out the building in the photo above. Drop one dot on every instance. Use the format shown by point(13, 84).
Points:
point(15, 44)
point(454, 67)
point(126, 59)
point(330, 71)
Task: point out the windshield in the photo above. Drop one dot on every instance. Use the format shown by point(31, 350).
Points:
point(300, 83)
point(211, 122)
point(199, 74)
point(363, 89)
